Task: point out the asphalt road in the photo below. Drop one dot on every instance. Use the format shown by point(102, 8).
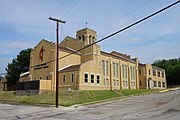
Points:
point(155, 106)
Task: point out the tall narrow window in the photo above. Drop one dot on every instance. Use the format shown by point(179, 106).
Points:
point(131, 72)
point(123, 70)
point(83, 38)
point(72, 77)
point(117, 70)
point(139, 71)
point(163, 74)
point(92, 78)
point(114, 70)
point(155, 84)
point(103, 67)
point(46, 77)
point(158, 73)
point(154, 72)
point(126, 72)
point(140, 83)
point(64, 78)
point(114, 82)
point(149, 72)
point(107, 72)
point(86, 78)
point(159, 83)
point(98, 79)
point(163, 84)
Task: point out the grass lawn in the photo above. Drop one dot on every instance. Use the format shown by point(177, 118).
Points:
point(66, 98)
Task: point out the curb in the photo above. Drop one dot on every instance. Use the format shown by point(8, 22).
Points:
point(110, 99)
point(170, 89)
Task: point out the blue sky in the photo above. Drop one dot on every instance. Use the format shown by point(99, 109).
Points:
point(23, 23)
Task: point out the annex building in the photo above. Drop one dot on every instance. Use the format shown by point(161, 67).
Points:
point(151, 77)
point(88, 69)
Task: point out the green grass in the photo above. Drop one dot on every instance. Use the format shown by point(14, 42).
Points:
point(134, 92)
point(66, 98)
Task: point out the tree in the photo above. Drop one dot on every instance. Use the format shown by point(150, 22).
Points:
point(19, 65)
point(172, 68)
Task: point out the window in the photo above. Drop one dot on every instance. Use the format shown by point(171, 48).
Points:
point(124, 70)
point(83, 38)
point(163, 84)
point(139, 71)
point(155, 85)
point(149, 72)
point(132, 70)
point(158, 73)
point(163, 74)
point(106, 82)
point(47, 77)
point(126, 83)
point(90, 39)
point(34, 78)
point(140, 84)
point(64, 78)
point(40, 77)
point(93, 39)
point(107, 68)
point(79, 37)
point(92, 78)
point(117, 70)
point(154, 72)
point(117, 82)
point(72, 77)
point(86, 78)
point(159, 83)
point(123, 83)
point(114, 82)
point(103, 67)
point(98, 79)
point(114, 71)
point(132, 84)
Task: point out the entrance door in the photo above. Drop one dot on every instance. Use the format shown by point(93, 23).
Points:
point(149, 84)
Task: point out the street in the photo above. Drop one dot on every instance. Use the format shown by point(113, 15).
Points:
point(154, 106)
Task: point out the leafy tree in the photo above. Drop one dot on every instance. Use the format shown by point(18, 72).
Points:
point(18, 66)
point(172, 68)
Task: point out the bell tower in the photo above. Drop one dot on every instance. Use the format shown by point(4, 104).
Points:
point(86, 37)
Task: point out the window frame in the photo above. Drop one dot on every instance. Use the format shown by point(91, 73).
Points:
point(86, 78)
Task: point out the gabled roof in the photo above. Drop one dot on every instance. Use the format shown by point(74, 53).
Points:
point(71, 68)
point(117, 56)
point(67, 49)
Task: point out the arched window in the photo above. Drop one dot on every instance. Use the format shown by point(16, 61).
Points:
point(90, 39)
point(93, 39)
point(83, 38)
point(79, 37)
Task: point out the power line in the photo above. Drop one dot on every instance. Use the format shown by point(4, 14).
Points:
point(75, 12)
point(70, 9)
point(36, 26)
point(121, 30)
point(128, 13)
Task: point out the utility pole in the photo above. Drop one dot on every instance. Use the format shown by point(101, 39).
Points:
point(57, 56)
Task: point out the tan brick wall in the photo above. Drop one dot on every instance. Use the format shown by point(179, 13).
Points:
point(147, 77)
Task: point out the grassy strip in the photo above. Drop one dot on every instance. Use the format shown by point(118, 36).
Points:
point(66, 98)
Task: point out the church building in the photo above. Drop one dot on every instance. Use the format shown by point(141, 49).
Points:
point(88, 69)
